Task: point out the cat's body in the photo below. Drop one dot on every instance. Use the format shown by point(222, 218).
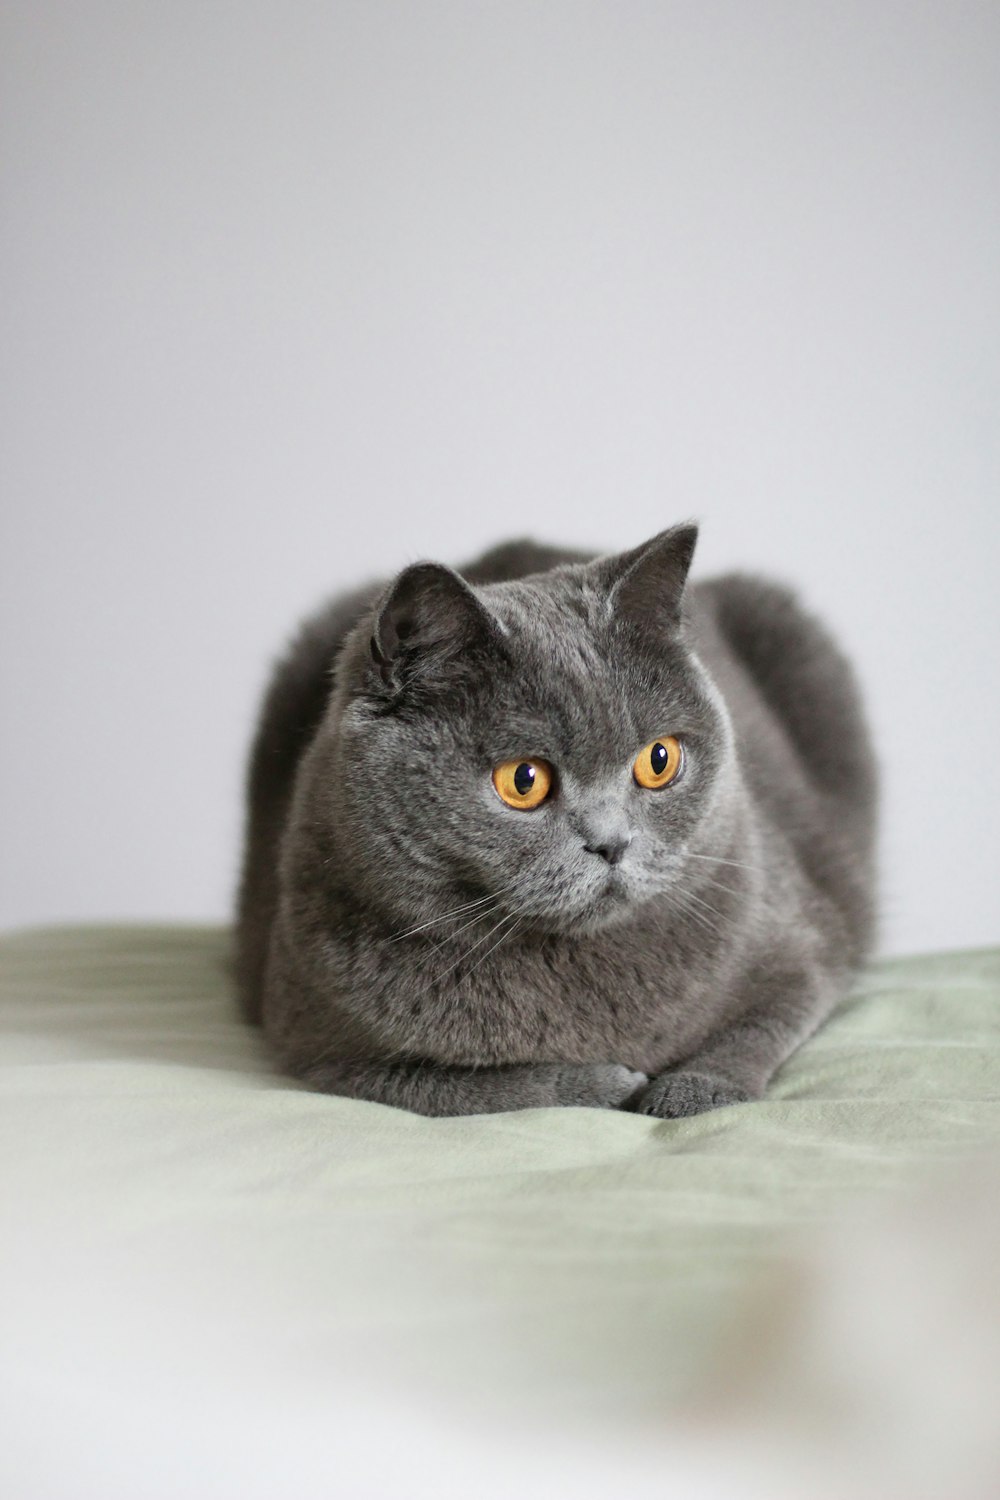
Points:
point(407, 937)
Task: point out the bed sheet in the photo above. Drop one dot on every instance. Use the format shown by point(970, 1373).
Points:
point(184, 1225)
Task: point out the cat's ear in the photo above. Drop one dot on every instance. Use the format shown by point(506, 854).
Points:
point(428, 621)
point(648, 582)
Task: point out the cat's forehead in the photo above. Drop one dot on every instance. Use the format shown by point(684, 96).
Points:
point(569, 687)
point(553, 616)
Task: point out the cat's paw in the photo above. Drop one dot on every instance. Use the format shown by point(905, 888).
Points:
point(672, 1096)
point(599, 1085)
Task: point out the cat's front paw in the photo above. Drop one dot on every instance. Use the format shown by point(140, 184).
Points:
point(672, 1096)
point(599, 1085)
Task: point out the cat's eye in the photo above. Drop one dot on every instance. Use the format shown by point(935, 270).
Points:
point(523, 783)
point(659, 763)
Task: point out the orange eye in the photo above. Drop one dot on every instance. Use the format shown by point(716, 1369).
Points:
point(523, 783)
point(659, 763)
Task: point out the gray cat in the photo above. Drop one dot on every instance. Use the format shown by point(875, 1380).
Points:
point(556, 830)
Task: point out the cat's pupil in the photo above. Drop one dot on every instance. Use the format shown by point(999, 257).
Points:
point(524, 778)
point(658, 759)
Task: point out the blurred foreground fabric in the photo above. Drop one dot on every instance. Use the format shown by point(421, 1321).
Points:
point(216, 1280)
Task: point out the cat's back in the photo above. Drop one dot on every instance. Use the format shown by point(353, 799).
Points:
point(764, 647)
point(801, 732)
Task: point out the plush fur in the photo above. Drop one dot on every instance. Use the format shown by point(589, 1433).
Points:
point(407, 937)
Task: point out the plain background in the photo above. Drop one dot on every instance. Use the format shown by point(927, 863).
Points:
point(296, 294)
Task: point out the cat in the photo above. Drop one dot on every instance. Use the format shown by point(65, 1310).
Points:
point(556, 830)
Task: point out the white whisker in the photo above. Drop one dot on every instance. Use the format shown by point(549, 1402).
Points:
point(707, 883)
point(484, 939)
point(700, 901)
point(479, 916)
point(683, 899)
point(716, 859)
point(456, 911)
point(496, 944)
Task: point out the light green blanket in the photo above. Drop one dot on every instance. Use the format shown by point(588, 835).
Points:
point(170, 1199)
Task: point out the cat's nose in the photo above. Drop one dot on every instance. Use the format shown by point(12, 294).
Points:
point(611, 849)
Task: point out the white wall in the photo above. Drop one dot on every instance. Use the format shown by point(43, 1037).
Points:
point(297, 293)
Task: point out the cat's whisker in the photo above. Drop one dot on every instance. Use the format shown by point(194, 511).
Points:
point(426, 989)
point(716, 859)
point(700, 901)
point(683, 900)
point(447, 917)
point(496, 945)
point(707, 883)
point(479, 916)
point(702, 921)
point(456, 911)
point(484, 939)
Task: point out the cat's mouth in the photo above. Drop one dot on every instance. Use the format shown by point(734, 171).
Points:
point(614, 891)
point(604, 904)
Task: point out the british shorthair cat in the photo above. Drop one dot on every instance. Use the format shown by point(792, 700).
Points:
point(553, 829)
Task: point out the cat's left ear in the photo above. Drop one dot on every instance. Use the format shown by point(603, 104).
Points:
point(648, 582)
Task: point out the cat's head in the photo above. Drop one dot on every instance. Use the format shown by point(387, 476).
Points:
point(551, 742)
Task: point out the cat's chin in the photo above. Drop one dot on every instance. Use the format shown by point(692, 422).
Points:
point(590, 923)
point(612, 905)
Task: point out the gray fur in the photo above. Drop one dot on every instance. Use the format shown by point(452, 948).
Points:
point(406, 937)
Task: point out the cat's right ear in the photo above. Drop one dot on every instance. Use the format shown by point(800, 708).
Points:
point(428, 623)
